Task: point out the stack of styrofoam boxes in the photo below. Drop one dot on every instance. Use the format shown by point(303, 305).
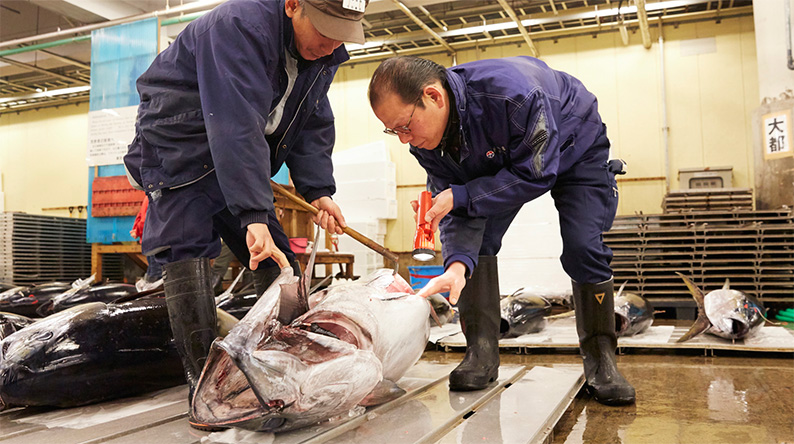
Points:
point(530, 254)
point(366, 191)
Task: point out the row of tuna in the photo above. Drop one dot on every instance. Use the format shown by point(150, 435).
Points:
point(293, 359)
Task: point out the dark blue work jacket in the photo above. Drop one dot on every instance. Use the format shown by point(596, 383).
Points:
point(232, 94)
point(522, 124)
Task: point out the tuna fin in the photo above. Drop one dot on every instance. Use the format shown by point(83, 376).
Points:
point(620, 290)
point(385, 391)
point(702, 322)
point(433, 314)
point(305, 282)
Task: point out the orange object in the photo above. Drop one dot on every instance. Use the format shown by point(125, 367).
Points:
point(424, 240)
point(114, 196)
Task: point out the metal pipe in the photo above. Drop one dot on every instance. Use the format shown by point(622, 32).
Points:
point(665, 127)
point(165, 12)
point(39, 46)
point(788, 34)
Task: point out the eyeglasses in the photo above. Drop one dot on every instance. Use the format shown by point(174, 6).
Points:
point(397, 130)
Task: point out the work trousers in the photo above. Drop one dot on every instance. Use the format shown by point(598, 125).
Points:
point(188, 222)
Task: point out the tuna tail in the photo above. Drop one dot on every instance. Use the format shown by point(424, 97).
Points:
point(620, 290)
point(702, 322)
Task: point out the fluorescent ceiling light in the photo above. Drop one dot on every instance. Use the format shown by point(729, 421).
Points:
point(51, 93)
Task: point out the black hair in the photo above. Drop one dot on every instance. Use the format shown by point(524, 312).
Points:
point(405, 76)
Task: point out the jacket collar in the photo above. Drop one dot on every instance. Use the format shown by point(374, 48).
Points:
point(458, 88)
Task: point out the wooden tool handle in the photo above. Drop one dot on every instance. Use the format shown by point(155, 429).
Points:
point(380, 249)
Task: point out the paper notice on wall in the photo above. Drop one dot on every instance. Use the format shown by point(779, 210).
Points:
point(110, 131)
point(777, 134)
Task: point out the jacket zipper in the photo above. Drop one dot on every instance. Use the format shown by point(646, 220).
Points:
point(278, 147)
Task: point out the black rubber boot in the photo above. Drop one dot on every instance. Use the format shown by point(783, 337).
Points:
point(191, 311)
point(479, 318)
point(263, 277)
point(595, 324)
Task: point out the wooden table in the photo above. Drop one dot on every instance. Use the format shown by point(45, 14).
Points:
point(329, 259)
point(131, 249)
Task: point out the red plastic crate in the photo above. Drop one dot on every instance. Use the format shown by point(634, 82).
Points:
point(114, 196)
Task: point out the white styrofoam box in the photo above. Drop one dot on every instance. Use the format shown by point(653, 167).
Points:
point(368, 209)
point(371, 228)
point(538, 240)
point(346, 172)
point(539, 210)
point(366, 189)
point(375, 151)
point(543, 275)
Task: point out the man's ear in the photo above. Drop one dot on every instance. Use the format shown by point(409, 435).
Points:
point(291, 8)
point(436, 93)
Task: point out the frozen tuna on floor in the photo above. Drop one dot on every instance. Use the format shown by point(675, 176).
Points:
point(286, 365)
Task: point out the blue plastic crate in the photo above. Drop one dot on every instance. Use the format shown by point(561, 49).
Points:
point(420, 275)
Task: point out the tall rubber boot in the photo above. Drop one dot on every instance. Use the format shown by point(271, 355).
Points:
point(264, 276)
point(595, 324)
point(479, 318)
point(191, 312)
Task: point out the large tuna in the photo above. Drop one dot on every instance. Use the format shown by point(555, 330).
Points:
point(26, 300)
point(11, 323)
point(97, 293)
point(729, 314)
point(282, 367)
point(522, 313)
point(633, 313)
point(89, 353)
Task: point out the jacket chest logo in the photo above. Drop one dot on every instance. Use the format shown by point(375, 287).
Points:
point(489, 154)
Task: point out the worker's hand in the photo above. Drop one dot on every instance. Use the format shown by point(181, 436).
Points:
point(442, 204)
point(453, 280)
point(261, 246)
point(330, 216)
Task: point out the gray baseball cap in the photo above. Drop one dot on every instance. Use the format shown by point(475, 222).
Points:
point(338, 19)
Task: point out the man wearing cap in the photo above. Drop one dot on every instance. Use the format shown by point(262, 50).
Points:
point(241, 91)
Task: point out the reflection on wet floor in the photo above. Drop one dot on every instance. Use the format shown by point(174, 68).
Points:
point(681, 399)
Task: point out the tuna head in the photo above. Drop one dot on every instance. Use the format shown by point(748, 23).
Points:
point(320, 365)
point(633, 313)
point(727, 313)
point(89, 353)
point(522, 313)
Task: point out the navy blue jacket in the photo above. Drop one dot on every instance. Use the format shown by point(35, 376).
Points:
point(522, 124)
point(207, 99)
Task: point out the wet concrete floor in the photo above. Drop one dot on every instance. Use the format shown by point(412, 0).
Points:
point(681, 398)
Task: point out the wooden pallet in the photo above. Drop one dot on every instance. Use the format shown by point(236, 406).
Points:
point(561, 334)
point(717, 199)
point(754, 250)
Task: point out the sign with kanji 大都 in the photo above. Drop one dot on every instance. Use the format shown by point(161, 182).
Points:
point(777, 134)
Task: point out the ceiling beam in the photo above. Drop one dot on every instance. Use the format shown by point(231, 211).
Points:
point(42, 70)
point(422, 25)
point(509, 10)
point(642, 17)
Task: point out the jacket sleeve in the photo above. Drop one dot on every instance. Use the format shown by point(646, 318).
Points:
point(533, 164)
point(233, 58)
point(309, 160)
point(461, 235)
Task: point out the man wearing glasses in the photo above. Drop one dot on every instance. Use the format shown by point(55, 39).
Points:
point(493, 135)
point(241, 91)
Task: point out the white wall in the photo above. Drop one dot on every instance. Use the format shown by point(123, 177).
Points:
point(770, 38)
